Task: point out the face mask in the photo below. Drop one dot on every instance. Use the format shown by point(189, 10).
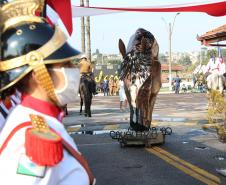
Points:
point(69, 93)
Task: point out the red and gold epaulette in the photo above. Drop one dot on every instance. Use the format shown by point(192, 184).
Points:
point(43, 146)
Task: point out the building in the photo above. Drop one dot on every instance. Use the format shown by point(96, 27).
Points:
point(176, 70)
point(212, 37)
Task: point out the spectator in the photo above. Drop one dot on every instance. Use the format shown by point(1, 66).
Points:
point(122, 96)
point(105, 87)
point(177, 84)
point(184, 88)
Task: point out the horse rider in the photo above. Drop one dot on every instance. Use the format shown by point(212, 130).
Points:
point(36, 59)
point(86, 70)
point(215, 66)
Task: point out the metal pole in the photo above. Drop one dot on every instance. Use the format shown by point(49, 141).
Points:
point(170, 50)
point(83, 30)
point(43, 13)
point(170, 57)
point(88, 33)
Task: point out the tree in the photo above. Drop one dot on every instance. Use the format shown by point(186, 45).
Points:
point(185, 60)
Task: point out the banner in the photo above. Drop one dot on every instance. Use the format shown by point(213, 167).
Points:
point(213, 8)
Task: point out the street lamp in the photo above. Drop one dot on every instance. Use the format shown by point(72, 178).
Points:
point(170, 32)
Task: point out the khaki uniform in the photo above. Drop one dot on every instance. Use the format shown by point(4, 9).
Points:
point(85, 66)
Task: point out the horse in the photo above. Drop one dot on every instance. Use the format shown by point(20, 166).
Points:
point(85, 91)
point(216, 81)
point(141, 73)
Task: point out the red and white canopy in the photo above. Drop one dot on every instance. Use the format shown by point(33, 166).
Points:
point(211, 7)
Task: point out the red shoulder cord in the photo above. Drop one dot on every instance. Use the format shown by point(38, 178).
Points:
point(18, 127)
point(67, 146)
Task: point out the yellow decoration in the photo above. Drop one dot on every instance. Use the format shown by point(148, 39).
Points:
point(98, 79)
point(101, 77)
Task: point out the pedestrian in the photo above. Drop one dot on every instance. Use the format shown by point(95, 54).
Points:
point(35, 148)
point(177, 84)
point(105, 87)
point(111, 86)
point(134, 91)
point(184, 88)
point(122, 96)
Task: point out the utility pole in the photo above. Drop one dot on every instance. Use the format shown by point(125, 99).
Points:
point(83, 30)
point(170, 57)
point(170, 32)
point(88, 41)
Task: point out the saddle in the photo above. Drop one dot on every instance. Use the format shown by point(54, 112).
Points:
point(87, 76)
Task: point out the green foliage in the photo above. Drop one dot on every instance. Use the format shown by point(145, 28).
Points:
point(206, 56)
point(185, 60)
point(190, 67)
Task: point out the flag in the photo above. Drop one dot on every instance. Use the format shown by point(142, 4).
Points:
point(64, 11)
point(220, 55)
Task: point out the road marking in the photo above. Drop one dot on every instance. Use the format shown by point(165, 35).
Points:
point(111, 127)
point(96, 144)
point(186, 167)
point(73, 129)
point(193, 167)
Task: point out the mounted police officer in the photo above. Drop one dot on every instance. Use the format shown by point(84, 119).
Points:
point(86, 71)
point(35, 148)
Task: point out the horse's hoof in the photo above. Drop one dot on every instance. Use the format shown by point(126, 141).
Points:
point(90, 116)
point(85, 115)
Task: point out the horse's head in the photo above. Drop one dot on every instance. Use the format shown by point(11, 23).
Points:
point(137, 71)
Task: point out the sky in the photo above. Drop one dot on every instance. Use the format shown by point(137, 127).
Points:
point(107, 29)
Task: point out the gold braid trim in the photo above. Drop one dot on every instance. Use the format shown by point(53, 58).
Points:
point(45, 80)
point(38, 122)
point(17, 11)
point(22, 19)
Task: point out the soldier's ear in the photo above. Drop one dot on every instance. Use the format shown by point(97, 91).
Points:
point(122, 48)
point(34, 78)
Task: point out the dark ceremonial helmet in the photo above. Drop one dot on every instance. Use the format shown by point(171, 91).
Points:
point(28, 43)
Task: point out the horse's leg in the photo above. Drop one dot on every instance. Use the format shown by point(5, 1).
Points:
point(66, 111)
point(85, 101)
point(221, 84)
point(89, 106)
point(81, 104)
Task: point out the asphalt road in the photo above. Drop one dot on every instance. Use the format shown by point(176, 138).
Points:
point(190, 156)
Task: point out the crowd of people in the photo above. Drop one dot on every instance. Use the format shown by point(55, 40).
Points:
point(109, 86)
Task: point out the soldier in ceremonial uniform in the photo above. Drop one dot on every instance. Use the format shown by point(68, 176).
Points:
point(36, 59)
